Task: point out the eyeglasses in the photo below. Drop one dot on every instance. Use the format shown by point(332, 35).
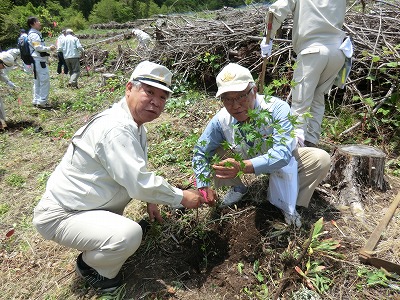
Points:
point(240, 100)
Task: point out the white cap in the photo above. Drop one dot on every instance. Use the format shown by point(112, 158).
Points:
point(153, 74)
point(7, 59)
point(69, 30)
point(233, 78)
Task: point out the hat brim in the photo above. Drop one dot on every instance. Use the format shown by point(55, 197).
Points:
point(232, 88)
point(155, 84)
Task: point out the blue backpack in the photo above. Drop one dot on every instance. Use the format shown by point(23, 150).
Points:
point(24, 49)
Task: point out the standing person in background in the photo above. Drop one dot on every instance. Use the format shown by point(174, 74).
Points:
point(40, 54)
point(142, 37)
point(72, 50)
point(61, 60)
point(6, 61)
point(317, 35)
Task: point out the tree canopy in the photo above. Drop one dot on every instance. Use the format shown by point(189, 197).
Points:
point(78, 14)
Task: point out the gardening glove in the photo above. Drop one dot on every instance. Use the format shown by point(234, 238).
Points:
point(209, 195)
point(266, 49)
point(11, 84)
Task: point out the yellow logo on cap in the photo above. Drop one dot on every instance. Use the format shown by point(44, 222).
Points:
point(227, 77)
point(160, 75)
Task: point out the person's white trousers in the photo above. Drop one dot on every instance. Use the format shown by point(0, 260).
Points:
point(315, 71)
point(41, 84)
point(106, 239)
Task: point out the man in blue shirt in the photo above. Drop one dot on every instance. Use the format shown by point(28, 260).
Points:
point(252, 135)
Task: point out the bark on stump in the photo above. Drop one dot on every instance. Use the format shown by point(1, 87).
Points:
point(354, 169)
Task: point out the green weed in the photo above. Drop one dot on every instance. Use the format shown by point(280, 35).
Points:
point(378, 277)
point(4, 208)
point(15, 180)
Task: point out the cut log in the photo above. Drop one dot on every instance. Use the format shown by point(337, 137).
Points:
point(354, 169)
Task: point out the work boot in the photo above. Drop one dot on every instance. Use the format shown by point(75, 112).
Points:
point(95, 280)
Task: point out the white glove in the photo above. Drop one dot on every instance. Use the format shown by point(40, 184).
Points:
point(266, 49)
point(11, 84)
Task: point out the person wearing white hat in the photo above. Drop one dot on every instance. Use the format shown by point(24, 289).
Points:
point(6, 61)
point(257, 130)
point(72, 50)
point(103, 169)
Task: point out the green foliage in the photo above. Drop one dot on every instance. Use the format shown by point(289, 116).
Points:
point(240, 268)
point(169, 151)
point(378, 277)
point(15, 180)
point(210, 60)
point(118, 294)
point(43, 177)
point(110, 10)
point(73, 19)
point(4, 208)
point(97, 101)
point(315, 275)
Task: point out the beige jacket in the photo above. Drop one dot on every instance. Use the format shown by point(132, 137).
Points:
point(315, 22)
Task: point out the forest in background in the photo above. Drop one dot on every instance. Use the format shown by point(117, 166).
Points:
point(79, 14)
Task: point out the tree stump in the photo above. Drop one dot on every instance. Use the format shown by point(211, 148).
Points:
point(354, 169)
point(105, 77)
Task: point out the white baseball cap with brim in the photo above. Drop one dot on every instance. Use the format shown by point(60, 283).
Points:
point(233, 78)
point(6, 59)
point(153, 74)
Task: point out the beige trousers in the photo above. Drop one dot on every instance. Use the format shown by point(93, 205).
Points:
point(317, 68)
point(106, 239)
point(313, 165)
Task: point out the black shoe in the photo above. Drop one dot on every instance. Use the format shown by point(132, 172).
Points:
point(145, 225)
point(95, 280)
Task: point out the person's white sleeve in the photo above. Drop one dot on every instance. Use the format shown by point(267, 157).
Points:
point(281, 9)
point(124, 159)
point(266, 49)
